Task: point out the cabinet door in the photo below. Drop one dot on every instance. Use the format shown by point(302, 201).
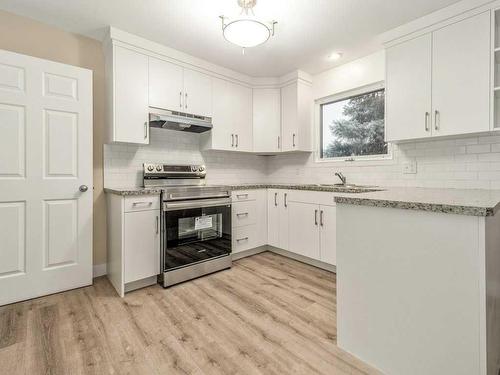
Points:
point(461, 77)
point(197, 93)
point(266, 120)
point(289, 120)
point(242, 117)
point(408, 89)
point(222, 134)
point(130, 96)
point(273, 217)
point(283, 228)
point(328, 234)
point(304, 229)
point(141, 245)
point(165, 85)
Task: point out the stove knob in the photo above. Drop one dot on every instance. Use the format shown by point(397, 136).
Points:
point(159, 168)
point(193, 168)
point(151, 168)
point(201, 169)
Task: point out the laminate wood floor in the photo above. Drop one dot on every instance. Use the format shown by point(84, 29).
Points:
point(267, 315)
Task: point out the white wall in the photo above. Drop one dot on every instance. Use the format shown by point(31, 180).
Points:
point(123, 163)
point(465, 162)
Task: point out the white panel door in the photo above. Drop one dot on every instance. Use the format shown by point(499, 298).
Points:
point(197, 93)
point(289, 119)
point(266, 120)
point(408, 89)
point(142, 245)
point(328, 234)
point(45, 157)
point(130, 96)
point(283, 227)
point(166, 85)
point(242, 117)
point(461, 77)
point(304, 229)
point(222, 119)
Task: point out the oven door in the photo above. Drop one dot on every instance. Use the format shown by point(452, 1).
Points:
point(196, 231)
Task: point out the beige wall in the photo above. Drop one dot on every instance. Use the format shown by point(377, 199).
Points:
point(24, 35)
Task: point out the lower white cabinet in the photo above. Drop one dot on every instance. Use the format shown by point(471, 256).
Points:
point(141, 245)
point(133, 241)
point(277, 218)
point(303, 219)
point(249, 219)
point(328, 234)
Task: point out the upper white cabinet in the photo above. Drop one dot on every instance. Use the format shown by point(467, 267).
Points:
point(296, 119)
point(232, 118)
point(267, 120)
point(439, 84)
point(408, 89)
point(175, 88)
point(127, 77)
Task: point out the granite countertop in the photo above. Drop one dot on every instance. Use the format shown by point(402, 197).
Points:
point(452, 201)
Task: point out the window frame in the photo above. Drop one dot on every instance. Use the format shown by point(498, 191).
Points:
point(319, 129)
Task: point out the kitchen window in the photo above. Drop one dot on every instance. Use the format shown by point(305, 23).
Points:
point(353, 127)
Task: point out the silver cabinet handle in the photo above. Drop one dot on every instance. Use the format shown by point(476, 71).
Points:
point(157, 225)
point(242, 214)
point(232, 140)
point(83, 188)
point(293, 137)
point(236, 136)
point(241, 196)
point(276, 199)
point(427, 114)
point(142, 204)
point(278, 142)
point(315, 217)
point(180, 99)
point(242, 239)
point(321, 218)
point(285, 201)
point(437, 117)
point(145, 130)
point(186, 100)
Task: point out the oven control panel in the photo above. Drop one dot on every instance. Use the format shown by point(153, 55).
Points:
point(167, 171)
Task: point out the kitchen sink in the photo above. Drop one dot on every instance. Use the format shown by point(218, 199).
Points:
point(350, 188)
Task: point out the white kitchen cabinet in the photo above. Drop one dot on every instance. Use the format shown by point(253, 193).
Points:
point(296, 118)
point(328, 234)
point(434, 88)
point(141, 245)
point(133, 241)
point(127, 91)
point(277, 216)
point(408, 89)
point(461, 77)
point(266, 120)
point(174, 88)
point(303, 219)
point(249, 219)
point(232, 118)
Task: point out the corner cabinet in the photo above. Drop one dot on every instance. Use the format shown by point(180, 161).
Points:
point(434, 88)
point(267, 136)
point(127, 78)
point(232, 118)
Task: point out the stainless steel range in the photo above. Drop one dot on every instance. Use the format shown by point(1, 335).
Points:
point(196, 222)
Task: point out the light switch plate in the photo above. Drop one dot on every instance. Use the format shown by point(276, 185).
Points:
point(410, 167)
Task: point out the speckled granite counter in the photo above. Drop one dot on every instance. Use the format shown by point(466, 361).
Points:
point(132, 191)
point(452, 201)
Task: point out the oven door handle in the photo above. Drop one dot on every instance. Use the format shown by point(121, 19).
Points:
point(200, 203)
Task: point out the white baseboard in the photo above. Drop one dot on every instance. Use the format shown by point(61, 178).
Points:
point(99, 270)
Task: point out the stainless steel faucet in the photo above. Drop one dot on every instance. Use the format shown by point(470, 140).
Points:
point(342, 177)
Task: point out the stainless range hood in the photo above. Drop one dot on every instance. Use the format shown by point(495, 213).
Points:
point(159, 118)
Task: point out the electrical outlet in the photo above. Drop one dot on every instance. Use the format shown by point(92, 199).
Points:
point(410, 167)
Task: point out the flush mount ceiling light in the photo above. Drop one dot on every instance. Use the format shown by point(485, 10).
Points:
point(247, 31)
point(334, 56)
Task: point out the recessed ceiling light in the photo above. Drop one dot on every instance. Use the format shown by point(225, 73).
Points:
point(334, 56)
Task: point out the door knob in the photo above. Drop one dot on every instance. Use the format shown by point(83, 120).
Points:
point(83, 188)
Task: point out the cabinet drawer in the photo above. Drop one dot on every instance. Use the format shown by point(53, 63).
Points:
point(312, 197)
point(244, 195)
point(244, 238)
point(142, 203)
point(244, 213)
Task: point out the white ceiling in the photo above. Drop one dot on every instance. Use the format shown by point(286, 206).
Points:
point(307, 30)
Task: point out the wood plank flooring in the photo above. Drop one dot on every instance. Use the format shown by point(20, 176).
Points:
point(267, 315)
